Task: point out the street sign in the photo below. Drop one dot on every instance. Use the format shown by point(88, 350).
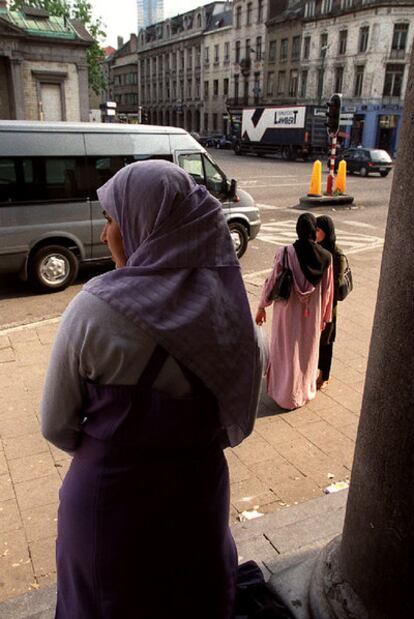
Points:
point(111, 104)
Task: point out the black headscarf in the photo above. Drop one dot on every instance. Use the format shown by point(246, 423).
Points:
point(313, 259)
point(325, 223)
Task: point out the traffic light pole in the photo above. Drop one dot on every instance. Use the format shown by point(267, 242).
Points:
point(330, 179)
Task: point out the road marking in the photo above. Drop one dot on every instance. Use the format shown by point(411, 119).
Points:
point(284, 233)
point(270, 207)
point(361, 224)
point(254, 186)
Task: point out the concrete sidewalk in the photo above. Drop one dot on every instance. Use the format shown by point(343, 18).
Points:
point(290, 458)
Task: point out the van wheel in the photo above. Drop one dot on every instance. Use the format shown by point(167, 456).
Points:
point(53, 268)
point(239, 237)
point(363, 171)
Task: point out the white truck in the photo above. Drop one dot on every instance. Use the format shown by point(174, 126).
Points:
point(290, 131)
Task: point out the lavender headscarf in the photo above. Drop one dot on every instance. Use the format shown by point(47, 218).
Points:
point(182, 283)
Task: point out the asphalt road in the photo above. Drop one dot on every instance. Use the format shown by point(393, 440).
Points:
point(276, 186)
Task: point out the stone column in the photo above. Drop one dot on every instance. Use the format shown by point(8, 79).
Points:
point(372, 568)
point(83, 91)
point(17, 85)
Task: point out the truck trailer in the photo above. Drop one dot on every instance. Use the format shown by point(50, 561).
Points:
point(293, 132)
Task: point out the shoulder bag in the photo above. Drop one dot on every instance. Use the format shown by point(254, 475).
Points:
point(283, 285)
point(345, 284)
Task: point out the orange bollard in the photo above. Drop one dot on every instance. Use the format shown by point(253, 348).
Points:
point(341, 177)
point(315, 187)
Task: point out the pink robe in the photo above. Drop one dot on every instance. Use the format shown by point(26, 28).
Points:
point(297, 325)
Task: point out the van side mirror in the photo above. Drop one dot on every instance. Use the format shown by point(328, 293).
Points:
point(232, 189)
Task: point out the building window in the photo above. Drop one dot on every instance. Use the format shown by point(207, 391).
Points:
point(346, 4)
point(206, 121)
point(206, 55)
point(189, 88)
point(258, 48)
point(190, 58)
point(197, 89)
point(215, 88)
point(226, 87)
point(339, 78)
point(198, 56)
point(393, 80)
point(303, 84)
point(237, 52)
point(270, 80)
point(359, 79)
point(321, 73)
point(256, 87)
point(281, 83)
point(226, 51)
point(247, 49)
point(238, 17)
point(296, 48)
point(310, 8)
point(236, 88)
point(399, 40)
point(363, 39)
point(293, 83)
point(306, 48)
point(216, 54)
point(181, 60)
point(260, 11)
point(272, 51)
point(249, 13)
point(343, 36)
point(206, 89)
point(284, 43)
point(326, 6)
point(214, 122)
point(323, 44)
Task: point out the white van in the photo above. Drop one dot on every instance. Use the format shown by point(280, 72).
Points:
point(50, 217)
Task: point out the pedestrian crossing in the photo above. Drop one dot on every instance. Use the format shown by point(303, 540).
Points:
point(284, 233)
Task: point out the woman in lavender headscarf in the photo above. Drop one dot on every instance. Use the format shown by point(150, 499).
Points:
point(154, 371)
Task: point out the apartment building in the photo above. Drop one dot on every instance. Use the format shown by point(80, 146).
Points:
point(173, 63)
point(362, 49)
point(122, 72)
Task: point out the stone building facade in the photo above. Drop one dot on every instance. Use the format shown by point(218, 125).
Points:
point(122, 75)
point(248, 51)
point(282, 61)
point(216, 75)
point(360, 48)
point(43, 66)
point(172, 60)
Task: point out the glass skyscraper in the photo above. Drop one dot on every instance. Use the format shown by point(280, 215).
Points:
point(149, 12)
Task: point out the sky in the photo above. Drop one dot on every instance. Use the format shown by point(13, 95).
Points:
point(123, 21)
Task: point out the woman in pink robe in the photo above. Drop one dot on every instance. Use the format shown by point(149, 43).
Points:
point(299, 321)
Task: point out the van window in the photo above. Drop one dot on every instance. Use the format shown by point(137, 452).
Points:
point(193, 164)
point(204, 172)
point(8, 180)
point(101, 169)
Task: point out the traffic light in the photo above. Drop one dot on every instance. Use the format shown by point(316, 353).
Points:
point(333, 113)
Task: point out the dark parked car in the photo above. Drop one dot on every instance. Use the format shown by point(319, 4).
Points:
point(365, 161)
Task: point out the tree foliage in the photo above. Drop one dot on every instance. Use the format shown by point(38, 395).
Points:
point(81, 10)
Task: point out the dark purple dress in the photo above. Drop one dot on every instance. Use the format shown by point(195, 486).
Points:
point(143, 519)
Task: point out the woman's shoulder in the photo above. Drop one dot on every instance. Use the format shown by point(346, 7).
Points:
point(88, 313)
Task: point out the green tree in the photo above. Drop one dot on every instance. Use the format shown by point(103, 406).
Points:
point(82, 10)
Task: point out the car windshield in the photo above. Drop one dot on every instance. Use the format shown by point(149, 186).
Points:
point(380, 156)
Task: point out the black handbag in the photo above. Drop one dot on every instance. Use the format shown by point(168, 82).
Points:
point(346, 286)
point(283, 285)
